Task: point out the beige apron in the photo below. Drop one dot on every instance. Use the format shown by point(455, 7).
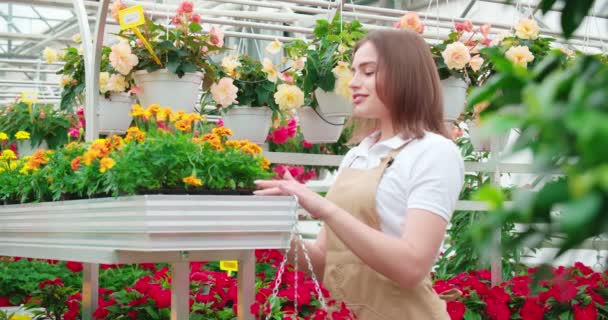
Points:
point(369, 294)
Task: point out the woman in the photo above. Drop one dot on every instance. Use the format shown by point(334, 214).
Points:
point(385, 215)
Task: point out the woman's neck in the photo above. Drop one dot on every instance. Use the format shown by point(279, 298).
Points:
point(386, 131)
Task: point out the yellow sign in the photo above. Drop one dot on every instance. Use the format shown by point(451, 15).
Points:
point(131, 17)
point(229, 265)
point(29, 97)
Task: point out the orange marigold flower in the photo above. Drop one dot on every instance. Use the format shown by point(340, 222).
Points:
point(106, 164)
point(133, 133)
point(153, 109)
point(222, 131)
point(116, 142)
point(192, 181)
point(89, 157)
point(75, 164)
point(183, 125)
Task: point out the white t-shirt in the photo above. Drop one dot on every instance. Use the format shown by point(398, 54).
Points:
point(427, 174)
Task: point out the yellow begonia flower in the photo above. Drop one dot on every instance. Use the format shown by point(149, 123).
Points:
point(22, 135)
point(192, 181)
point(289, 97)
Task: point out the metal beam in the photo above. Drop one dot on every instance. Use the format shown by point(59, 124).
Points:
point(42, 17)
point(468, 8)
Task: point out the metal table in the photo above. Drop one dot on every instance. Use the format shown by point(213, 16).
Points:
point(151, 228)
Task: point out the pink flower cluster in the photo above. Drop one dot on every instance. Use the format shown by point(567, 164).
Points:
point(284, 133)
point(297, 172)
point(77, 130)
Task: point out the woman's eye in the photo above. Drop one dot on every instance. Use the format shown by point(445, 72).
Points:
point(369, 73)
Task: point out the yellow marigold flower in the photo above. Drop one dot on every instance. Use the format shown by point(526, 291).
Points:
point(222, 131)
point(233, 143)
point(137, 111)
point(192, 181)
point(216, 143)
point(3, 136)
point(8, 154)
point(153, 109)
point(183, 125)
point(106, 164)
point(89, 156)
point(209, 136)
point(161, 116)
point(194, 117)
point(20, 317)
point(265, 163)
point(27, 169)
point(22, 135)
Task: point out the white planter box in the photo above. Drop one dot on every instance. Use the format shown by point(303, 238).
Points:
point(139, 228)
point(167, 89)
point(454, 96)
point(114, 113)
point(248, 123)
point(332, 104)
point(24, 148)
point(317, 130)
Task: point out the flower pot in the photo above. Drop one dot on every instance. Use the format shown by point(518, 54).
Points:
point(454, 96)
point(332, 104)
point(320, 130)
point(167, 89)
point(251, 123)
point(24, 147)
point(481, 142)
point(114, 113)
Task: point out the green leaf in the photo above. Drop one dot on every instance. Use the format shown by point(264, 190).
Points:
point(576, 215)
point(471, 315)
point(173, 65)
point(573, 14)
point(195, 27)
point(492, 195)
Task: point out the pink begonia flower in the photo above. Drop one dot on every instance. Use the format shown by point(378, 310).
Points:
point(122, 59)
point(217, 37)
point(136, 90)
point(139, 42)
point(176, 21)
point(42, 115)
point(196, 18)
point(161, 125)
point(185, 7)
point(307, 144)
point(464, 26)
point(485, 30)
point(286, 77)
point(80, 111)
point(220, 122)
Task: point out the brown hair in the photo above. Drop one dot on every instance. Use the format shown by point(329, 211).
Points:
point(408, 84)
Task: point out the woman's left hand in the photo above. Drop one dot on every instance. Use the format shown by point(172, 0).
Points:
point(316, 205)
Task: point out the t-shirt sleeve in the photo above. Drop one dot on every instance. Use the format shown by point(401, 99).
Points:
point(436, 180)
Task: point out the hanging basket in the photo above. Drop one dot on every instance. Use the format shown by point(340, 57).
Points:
point(320, 130)
point(248, 123)
point(454, 96)
point(24, 147)
point(114, 113)
point(167, 89)
point(332, 104)
point(482, 142)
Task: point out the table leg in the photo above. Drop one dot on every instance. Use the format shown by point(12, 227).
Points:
point(180, 290)
point(246, 285)
point(90, 289)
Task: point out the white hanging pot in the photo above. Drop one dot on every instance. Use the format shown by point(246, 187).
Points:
point(481, 142)
point(333, 104)
point(454, 96)
point(320, 130)
point(248, 123)
point(115, 113)
point(24, 147)
point(167, 89)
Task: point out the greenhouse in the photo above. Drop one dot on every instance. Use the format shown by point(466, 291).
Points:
point(304, 159)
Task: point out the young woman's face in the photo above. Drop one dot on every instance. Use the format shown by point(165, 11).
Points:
point(366, 102)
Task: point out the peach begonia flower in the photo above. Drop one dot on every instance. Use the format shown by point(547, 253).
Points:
point(289, 97)
point(527, 29)
point(411, 21)
point(122, 59)
point(520, 55)
point(456, 55)
point(224, 92)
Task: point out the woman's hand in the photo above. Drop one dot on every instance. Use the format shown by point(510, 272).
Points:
point(316, 205)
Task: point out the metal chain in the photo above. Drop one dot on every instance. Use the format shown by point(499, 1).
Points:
point(275, 290)
point(312, 272)
point(598, 264)
point(295, 299)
